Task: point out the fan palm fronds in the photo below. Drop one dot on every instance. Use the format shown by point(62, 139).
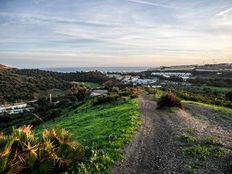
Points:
point(21, 151)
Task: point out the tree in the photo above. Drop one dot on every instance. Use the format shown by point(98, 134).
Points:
point(80, 92)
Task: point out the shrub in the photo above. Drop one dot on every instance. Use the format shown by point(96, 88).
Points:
point(211, 141)
point(151, 90)
point(53, 151)
point(80, 92)
point(169, 100)
point(202, 152)
point(107, 98)
point(188, 138)
point(132, 92)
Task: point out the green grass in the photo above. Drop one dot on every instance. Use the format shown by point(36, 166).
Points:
point(155, 93)
point(188, 138)
point(172, 109)
point(219, 89)
point(102, 129)
point(88, 84)
point(197, 151)
point(91, 85)
point(215, 107)
point(202, 152)
point(210, 140)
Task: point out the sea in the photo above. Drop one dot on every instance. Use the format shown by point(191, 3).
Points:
point(102, 69)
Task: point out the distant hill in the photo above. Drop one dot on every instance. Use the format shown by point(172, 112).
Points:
point(4, 67)
point(15, 86)
point(26, 84)
point(223, 67)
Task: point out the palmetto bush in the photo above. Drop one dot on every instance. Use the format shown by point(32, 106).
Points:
point(53, 152)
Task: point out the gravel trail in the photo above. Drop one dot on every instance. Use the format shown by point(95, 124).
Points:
point(156, 147)
point(153, 149)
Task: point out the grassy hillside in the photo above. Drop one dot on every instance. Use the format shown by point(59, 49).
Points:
point(103, 129)
point(91, 85)
point(215, 107)
point(217, 89)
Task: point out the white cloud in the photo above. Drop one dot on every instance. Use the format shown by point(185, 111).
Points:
point(116, 31)
point(225, 12)
point(153, 4)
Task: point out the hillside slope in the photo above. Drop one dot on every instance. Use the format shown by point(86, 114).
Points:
point(26, 84)
point(102, 129)
point(15, 86)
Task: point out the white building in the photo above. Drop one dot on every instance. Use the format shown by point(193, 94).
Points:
point(182, 75)
point(98, 92)
point(13, 109)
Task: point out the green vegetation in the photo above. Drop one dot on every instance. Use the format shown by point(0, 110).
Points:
point(204, 94)
point(218, 89)
point(199, 150)
point(188, 138)
point(172, 109)
point(87, 84)
point(211, 141)
point(16, 87)
point(54, 150)
point(168, 100)
point(212, 81)
point(217, 108)
point(79, 92)
point(156, 93)
point(202, 152)
point(190, 130)
point(106, 98)
point(56, 93)
point(26, 84)
point(103, 129)
point(91, 85)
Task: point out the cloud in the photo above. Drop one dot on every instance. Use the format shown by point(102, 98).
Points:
point(227, 12)
point(153, 4)
point(115, 32)
point(35, 18)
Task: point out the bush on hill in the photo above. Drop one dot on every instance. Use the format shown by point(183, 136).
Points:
point(132, 92)
point(80, 92)
point(106, 98)
point(169, 100)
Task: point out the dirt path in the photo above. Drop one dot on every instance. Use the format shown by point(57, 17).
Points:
point(153, 149)
point(156, 146)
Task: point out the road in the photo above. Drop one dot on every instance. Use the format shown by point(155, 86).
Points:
point(156, 145)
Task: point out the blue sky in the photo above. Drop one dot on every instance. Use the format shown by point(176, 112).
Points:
point(69, 33)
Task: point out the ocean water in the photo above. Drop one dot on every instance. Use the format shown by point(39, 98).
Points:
point(102, 69)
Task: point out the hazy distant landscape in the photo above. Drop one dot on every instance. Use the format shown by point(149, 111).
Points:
point(115, 87)
point(102, 69)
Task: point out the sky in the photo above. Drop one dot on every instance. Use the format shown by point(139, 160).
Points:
point(99, 33)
